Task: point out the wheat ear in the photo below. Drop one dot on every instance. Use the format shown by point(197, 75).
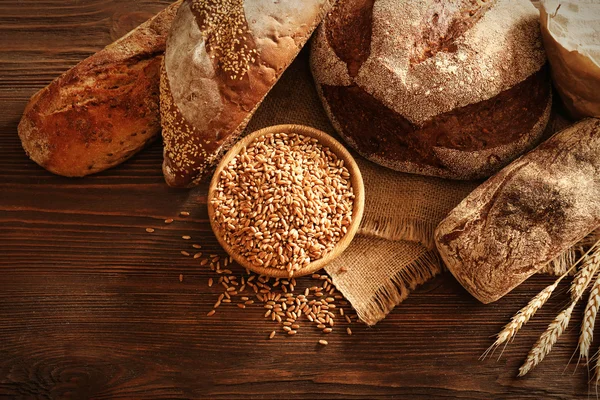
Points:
point(547, 340)
point(526, 313)
point(523, 316)
point(556, 328)
point(584, 275)
point(589, 320)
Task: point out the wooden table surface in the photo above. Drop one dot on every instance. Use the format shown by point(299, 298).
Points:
point(91, 306)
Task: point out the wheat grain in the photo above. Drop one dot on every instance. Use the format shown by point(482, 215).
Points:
point(589, 320)
point(544, 344)
point(284, 308)
point(584, 275)
point(284, 202)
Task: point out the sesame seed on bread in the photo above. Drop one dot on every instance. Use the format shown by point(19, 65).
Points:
point(212, 81)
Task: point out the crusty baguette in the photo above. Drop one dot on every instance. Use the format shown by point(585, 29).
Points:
point(213, 80)
point(526, 215)
point(102, 111)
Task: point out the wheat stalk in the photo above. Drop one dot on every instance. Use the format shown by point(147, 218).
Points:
point(585, 274)
point(589, 320)
point(591, 263)
point(523, 316)
point(597, 371)
point(544, 344)
point(526, 313)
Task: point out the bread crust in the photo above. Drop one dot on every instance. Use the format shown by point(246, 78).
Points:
point(570, 32)
point(526, 215)
point(209, 90)
point(427, 63)
point(102, 111)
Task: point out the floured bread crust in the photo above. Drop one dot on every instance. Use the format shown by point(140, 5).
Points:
point(212, 82)
point(571, 33)
point(501, 49)
point(526, 215)
point(435, 82)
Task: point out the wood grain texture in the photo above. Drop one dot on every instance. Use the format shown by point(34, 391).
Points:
point(91, 305)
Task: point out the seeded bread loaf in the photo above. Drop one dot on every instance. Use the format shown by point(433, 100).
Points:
point(222, 58)
point(526, 215)
point(102, 111)
point(455, 89)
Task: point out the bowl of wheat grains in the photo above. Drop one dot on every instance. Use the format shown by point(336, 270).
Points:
point(286, 200)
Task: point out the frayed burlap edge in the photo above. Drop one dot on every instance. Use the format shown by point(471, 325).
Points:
point(399, 287)
point(407, 229)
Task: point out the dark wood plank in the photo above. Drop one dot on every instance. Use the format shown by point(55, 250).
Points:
point(91, 305)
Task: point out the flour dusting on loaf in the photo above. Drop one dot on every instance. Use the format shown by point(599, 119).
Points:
point(502, 49)
point(431, 89)
point(526, 215)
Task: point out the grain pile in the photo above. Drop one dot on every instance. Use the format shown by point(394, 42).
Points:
point(284, 201)
point(283, 302)
point(319, 304)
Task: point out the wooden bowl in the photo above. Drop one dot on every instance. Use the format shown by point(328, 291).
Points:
point(355, 178)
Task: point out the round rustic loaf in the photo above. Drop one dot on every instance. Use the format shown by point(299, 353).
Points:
point(455, 89)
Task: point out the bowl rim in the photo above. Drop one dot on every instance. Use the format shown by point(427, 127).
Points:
point(356, 181)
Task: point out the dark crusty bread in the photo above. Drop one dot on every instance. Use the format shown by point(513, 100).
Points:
point(455, 89)
point(102, 111)
point(526, 215)
point(222, 58)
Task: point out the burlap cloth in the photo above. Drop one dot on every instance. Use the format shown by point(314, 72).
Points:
point(393, 251)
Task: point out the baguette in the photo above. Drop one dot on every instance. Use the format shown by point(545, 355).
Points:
point(102, 111)
point(222, 58)
point(526, 215)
